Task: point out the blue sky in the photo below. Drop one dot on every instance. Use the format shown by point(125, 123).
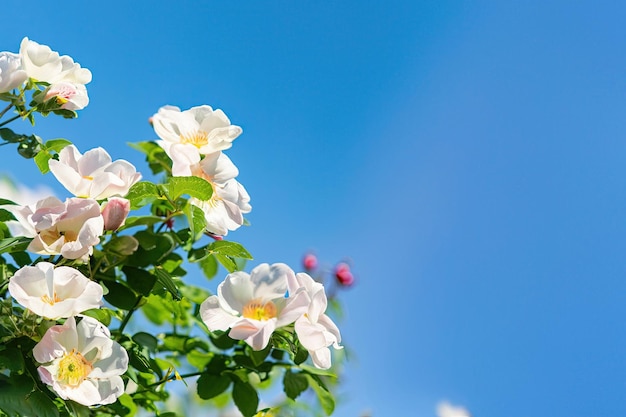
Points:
point(467, 156)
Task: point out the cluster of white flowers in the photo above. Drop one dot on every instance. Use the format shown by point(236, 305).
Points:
point(253, 305)
point(194, 140)
point(66, 79)
point(78, 359)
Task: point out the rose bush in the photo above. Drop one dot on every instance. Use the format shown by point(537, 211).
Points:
point(74, 273)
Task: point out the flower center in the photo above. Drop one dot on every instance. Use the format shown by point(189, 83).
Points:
point(73, 369)
point(46, 298)
point(50, 236)
point(197, 138)
point(258, 310)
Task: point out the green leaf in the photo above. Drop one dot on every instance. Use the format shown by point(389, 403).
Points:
point(209, 266)
point(323, 395)
point(316, 371)
point(19, 396)
point(146, 340)
point(210, 386)
point(10, 136)
point(142, 193)
point(14, 244)
point(294, 384)
point(139, 279)
point(227, 248)
point(42, 160)
point(258, 356)
point(123, 245)
point(103, 315)
point(12, 359)
point(153, 247)
point(246, 398)
point(120, 296)
point(194, 294)
point(134, 221)
point(165, 279)
point(196, 220)
point(193, 186)
point(6, 215)
point(199, 359)
point(155, 155)
point(57, 144)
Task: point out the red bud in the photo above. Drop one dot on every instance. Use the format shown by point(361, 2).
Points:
point(344, 275)
point(309, 262)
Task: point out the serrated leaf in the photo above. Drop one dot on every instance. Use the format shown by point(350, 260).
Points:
point(196, 219)
point(193, 186)
point(142, 193)
point(228, 248)
point(246, 398)
point(209, 386)
point(294, 384)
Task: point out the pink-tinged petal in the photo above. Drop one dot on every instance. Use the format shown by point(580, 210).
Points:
point(214, 315)
point(254, 332)
point(115, 212)
point(49, 347)
point(45, 375)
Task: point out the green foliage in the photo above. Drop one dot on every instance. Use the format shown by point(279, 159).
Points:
point(152, 308)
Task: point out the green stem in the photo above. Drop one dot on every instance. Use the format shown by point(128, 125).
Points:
point(10, 120)
point(170, 378)
point(6, 109)
point(128, 316)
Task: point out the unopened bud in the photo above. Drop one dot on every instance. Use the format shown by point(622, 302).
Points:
point(115, 212)
point(344, 275)
point(309, 262)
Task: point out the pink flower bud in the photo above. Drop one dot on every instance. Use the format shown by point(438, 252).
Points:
point(115, 212)
point(343, 274)
point(309, 262)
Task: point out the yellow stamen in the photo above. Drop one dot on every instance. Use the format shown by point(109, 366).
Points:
point(73, 368)
point(46, 299)
point(257, 310)
point(197, 138)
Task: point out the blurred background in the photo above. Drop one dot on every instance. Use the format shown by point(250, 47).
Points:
point(467, 158)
